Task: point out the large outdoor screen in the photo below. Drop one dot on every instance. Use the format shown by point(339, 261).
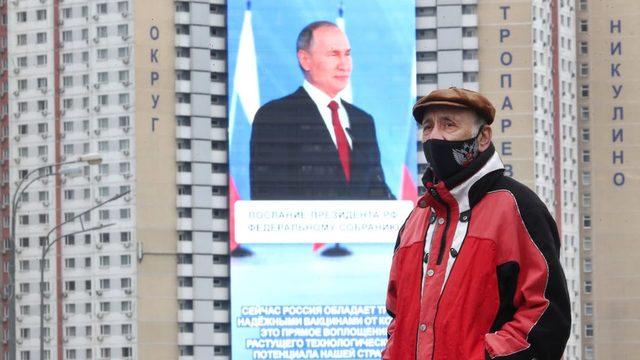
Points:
point(322, 162)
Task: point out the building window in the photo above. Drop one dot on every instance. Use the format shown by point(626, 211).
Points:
point(588, 309)
point(586, 221)
point(586, 156)
point(584, 47)
point(41, 37)
point(469, 32)
point(586, 199)
point(584, 91)
point(584, 25)
point(587, 265)
point(588, 352)
point(102, 54)
point(586, 243)
point(125, 260)
point(584, 69)
point(586, 134)
point(470, 77)
point(41, 60)
point(21, 40)
point(588, 286)
point(21, 16)
point(123, 6)
point(101, 8)
point(588, 330)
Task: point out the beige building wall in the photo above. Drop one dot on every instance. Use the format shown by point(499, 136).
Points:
point(156, 173)
point(609, 35)
point(504, 54)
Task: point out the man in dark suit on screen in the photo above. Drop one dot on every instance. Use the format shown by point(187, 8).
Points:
point(311, 144)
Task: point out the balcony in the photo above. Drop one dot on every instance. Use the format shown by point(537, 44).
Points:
point(219, 156)
point(185, 247)
point(183, 40)
point(218, 88)
point(186, 293)
point(469, 20)
point(183, 178)
point(219, 202)
point(217, 20)
point(183, 155)
point(183, 132)
point(183, 63)
point(218, 65)
point(217, 43)
point(182, 17)
point(185, 270)
point(469, 42)
point(219, 293)
point(183, 86)
point(426, 22)
point(218, 179)
point(185, 316)
point(429, 67)
point(218, 111)
point(470, 65)
point(184, 224)
point(183, 201)
point(185, 338)
point(183, 109)
point(426, 44)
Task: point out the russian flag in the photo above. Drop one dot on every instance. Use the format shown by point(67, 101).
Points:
point(244, 103)
point(408, 183)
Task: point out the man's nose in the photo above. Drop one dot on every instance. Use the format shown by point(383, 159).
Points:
point(344, 63)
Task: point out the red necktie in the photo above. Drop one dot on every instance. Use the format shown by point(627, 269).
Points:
point(341, 140)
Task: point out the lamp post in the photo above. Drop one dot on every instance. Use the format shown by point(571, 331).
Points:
point(49, 244)
point(21, 187)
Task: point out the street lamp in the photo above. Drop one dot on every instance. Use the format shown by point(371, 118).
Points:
point(49, 244)
point(21, 187)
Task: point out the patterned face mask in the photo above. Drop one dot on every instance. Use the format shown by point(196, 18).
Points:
point(447, 158)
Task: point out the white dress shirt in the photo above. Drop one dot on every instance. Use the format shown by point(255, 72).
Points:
point(322, 101)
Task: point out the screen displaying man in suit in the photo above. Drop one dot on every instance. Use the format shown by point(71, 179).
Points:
point(311, 144)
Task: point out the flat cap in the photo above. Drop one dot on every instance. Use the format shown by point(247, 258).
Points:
point(455, 97)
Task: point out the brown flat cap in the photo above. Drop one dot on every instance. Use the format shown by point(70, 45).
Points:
point(455, 97)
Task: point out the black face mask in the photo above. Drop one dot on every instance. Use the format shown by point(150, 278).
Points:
point(447, 158)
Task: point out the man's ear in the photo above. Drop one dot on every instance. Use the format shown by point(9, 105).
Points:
point(303, 60)
point(485, 138)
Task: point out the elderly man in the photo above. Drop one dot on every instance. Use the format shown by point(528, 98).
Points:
point(476, 272)
point(311, 144)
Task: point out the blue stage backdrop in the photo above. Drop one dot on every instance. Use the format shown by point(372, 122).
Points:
point(291, 297)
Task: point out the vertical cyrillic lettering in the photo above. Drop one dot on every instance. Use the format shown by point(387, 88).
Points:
point(618, 113)
point(618, 179)
point(617, 135)
point(617, 156)
point(154, 33)
point(615, 26)
point(504, 33)
point(505, 78)
point(616, 90)
point(506, 148)
point(616, 48)
point(506, 58)
point(504, 11)
point(506, 104)
point(615, 70)
point(504, 124)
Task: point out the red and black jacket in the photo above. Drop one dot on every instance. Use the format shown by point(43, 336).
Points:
point(476, 273)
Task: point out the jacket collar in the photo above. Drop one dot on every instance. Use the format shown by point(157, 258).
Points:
point(465, 189)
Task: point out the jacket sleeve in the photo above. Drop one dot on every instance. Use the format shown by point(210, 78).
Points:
point(392, 296)
point(534, 319)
